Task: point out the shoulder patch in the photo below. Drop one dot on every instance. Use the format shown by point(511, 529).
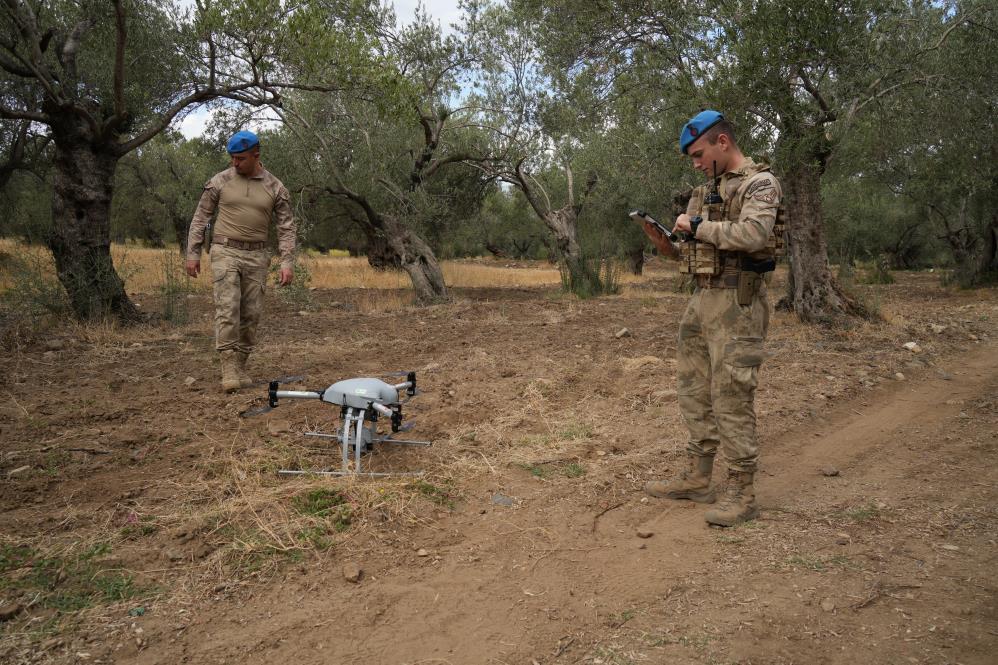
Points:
point(761, 183)
point(765, 195)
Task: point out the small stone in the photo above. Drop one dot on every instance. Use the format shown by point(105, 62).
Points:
point(11, 610)
point(829, 471)
point(502, 500)
point(951, 548)
point(173, 555)
point(49, 355)
point(936, 328)
point(898, 376)
point(842, 541)
point(642, 546)
point(623, 332)
point(278, 426)
point(913, 347)
point(827, 604)
point(55, 345)
point(422, 552)
point(352, 572)
point(644, 533)
point(944, 375)
point(18, 471)
point(190, 381)
point(973, 338)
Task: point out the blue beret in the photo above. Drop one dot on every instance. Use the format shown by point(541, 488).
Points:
point(695, 128)
point(242, 141)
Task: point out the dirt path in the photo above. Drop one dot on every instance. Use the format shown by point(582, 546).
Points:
point(892, 560)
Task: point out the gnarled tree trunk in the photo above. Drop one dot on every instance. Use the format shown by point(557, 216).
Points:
point(82, 185)
point(813, 293)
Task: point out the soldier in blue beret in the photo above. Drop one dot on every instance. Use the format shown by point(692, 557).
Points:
point(733, 226)
point(247, 198)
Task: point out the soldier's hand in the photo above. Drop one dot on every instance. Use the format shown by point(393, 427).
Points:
point(682, 224)
point(193, 268)
point(287, 275)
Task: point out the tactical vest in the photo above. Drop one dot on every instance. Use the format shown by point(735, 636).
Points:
point(703, 258)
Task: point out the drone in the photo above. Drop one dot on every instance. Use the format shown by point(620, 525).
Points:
point(363, 402)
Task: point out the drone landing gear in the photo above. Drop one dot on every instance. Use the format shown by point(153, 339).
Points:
point(361, 438)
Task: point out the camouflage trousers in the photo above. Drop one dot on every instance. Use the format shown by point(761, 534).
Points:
point(239, 279)
point(720, 350)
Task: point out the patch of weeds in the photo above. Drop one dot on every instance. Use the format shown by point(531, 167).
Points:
point(576, 431)
point(175, 289)
point(55, 461)
point(574, 470)
point(819, 564)
point(659, 639)
point(618, 620)
point(143, 526)
point(807, 562)
point(65, 582)
point(295, 295)
point(611, 656)
point(695, 640)
point(318, 503)
point(860, 514)
point(439, 495)
point(536, 470)
point(317, 537)
point(536, 440)
point(325, 504)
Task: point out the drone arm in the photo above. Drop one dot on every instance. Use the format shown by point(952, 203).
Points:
point(382, 409)
point(298, 394)
point(274, 394)
point(409, 384)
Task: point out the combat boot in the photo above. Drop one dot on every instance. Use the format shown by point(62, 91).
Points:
point(244, 380)
point(738, 503)
point(692, 484)
point(230, 372)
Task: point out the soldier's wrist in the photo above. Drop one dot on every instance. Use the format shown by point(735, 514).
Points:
point(695, 224)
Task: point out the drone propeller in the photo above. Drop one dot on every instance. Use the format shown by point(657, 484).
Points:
point(256, 411)
point(281, 379)
point(409, 397)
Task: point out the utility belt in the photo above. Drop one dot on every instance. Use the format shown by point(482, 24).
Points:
point(732, 270)
point(238, 244)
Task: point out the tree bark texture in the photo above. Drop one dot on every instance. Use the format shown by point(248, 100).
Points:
point(82, 185)
point(393, 245)
point(815, 297)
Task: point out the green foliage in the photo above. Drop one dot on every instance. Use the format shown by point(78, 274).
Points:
point(591, 277)
point(65, 581)
point(295, 295)
point(175, 290)
point(440, 495)
point(33, 300)
point(328, 505)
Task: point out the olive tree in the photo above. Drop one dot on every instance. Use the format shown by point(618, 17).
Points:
point(103, 78)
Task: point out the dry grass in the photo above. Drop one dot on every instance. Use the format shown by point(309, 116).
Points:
point(143, 269)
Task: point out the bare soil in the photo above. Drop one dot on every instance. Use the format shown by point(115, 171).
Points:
point(150, 498)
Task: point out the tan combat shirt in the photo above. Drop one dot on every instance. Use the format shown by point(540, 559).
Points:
point(245, 207)
point(751, 196)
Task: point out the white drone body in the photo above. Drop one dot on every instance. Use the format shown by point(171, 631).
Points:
point(362, 401)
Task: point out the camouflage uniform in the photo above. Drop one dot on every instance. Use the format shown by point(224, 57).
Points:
point(721, 341)
point(721, 338)
point(239, 257)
